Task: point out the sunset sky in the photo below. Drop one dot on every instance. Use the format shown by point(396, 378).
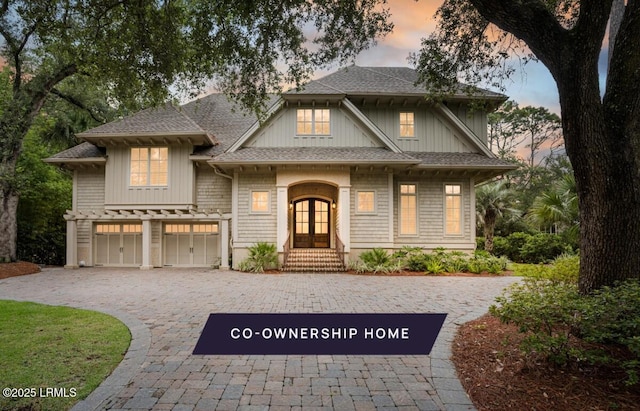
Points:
point(415, 20)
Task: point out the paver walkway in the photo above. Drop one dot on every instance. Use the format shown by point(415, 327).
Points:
point(166, 310)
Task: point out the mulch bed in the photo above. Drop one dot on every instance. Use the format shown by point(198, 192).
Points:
point(15, 269)
point(422, 274)
point(497, 376)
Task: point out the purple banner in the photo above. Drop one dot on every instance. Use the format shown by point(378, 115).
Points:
point(319, 334)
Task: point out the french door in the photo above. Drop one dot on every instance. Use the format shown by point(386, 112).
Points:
point(311, 223)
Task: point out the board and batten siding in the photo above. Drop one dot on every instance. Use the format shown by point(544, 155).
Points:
point(475, 119)
point(371, 228)
point(254, 227)
point(431, 214)
point(213, 192)
point(433, 133)
point(179, 192)
point(345, 132)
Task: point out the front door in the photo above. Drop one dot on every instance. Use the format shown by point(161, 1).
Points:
point(311, 223)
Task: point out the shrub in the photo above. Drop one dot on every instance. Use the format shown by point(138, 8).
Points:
point(501, 246)
point(612, 316)
point(549, 309)
point(262, 256)
point(434, 266)
point(542, 248)
point(377, 261)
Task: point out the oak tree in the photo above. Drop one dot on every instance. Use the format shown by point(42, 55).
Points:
point(138, 49)
point(476, 40)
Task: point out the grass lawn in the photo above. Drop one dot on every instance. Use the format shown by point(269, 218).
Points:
point(61, 348)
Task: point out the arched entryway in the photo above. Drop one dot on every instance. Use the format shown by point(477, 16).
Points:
point(312, 223)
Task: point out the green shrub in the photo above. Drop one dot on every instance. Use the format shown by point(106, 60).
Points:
point(434, 266)
point(416, 262)
point(564, 269)
point(542, 248)
point(513, 246)
point(501, 246)
point(548, 308)
point(262, 256)
point(612, 316)
point(377, 261)
point(545, 311)
point(456, 262)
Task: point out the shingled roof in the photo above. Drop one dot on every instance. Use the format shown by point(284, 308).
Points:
point(356, 80)
point(296, 155)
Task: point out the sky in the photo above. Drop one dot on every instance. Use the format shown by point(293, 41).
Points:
point(414, 20)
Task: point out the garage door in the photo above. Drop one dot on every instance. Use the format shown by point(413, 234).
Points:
point(118, 245)
point(191, 245)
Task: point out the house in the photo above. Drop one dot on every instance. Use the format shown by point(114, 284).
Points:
point(356, 160)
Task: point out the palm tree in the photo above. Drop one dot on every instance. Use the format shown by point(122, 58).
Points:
point(492, 201)
point(558, 206)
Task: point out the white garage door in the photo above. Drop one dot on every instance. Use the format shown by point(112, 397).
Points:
point(118, 245)
point(191, 245)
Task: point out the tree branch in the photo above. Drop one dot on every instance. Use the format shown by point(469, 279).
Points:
point(72, 100)
point(39, 88)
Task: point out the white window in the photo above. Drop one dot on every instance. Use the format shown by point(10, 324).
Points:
point(453, 209)
point(407, 125)
point(149, 166)
point(260, 202)
point(408, 209)
point(313, 121)
point(366, 202)
point(204, 228)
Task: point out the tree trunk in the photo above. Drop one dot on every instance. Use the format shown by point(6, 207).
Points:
point(604, 160)
point(489, 229)
point(8, 224)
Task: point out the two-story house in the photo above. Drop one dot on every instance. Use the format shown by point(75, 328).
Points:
point(356, 160)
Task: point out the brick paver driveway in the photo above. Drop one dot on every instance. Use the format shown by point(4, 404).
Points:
point(166, 310)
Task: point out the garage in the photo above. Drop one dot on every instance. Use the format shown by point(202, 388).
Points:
point(118, 245)
point(191, 244)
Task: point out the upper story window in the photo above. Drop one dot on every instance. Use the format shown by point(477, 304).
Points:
point(407, 124)
point(260, 202)
point(312, 121)
point(149, 166)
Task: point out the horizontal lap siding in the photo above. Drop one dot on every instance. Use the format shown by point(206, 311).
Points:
point(256, 227)
point(213, 192)
point(370, 228)
point(90, 197)
point(431, 213)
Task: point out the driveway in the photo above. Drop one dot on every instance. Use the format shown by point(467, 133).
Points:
point(166, 310)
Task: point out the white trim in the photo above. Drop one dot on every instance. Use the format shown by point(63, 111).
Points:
point(464, 129)
point(400, 195)
point(375, 202)
point(391, 205)
point(260, 212)
point(445, 234)
point(234, 206)
point(255, 126)
point(472, 207)
point(313, 122)
point(371, 126)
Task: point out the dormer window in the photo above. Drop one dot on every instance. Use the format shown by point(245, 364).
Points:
point(149, 166)
point(407, 125)
point(311, 121)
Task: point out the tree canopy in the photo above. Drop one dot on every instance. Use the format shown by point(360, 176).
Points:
point(481, 41)
point(140, 50)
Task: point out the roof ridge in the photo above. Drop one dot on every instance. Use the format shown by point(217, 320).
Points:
point(179, 110)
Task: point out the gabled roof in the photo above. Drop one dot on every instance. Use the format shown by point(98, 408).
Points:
point(166, 121)
point(362, 81)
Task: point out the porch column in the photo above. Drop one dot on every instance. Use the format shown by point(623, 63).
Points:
point(344, 223)
point(224, 244)
point(72, 243)
point(146, 243)
point(282, 214)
